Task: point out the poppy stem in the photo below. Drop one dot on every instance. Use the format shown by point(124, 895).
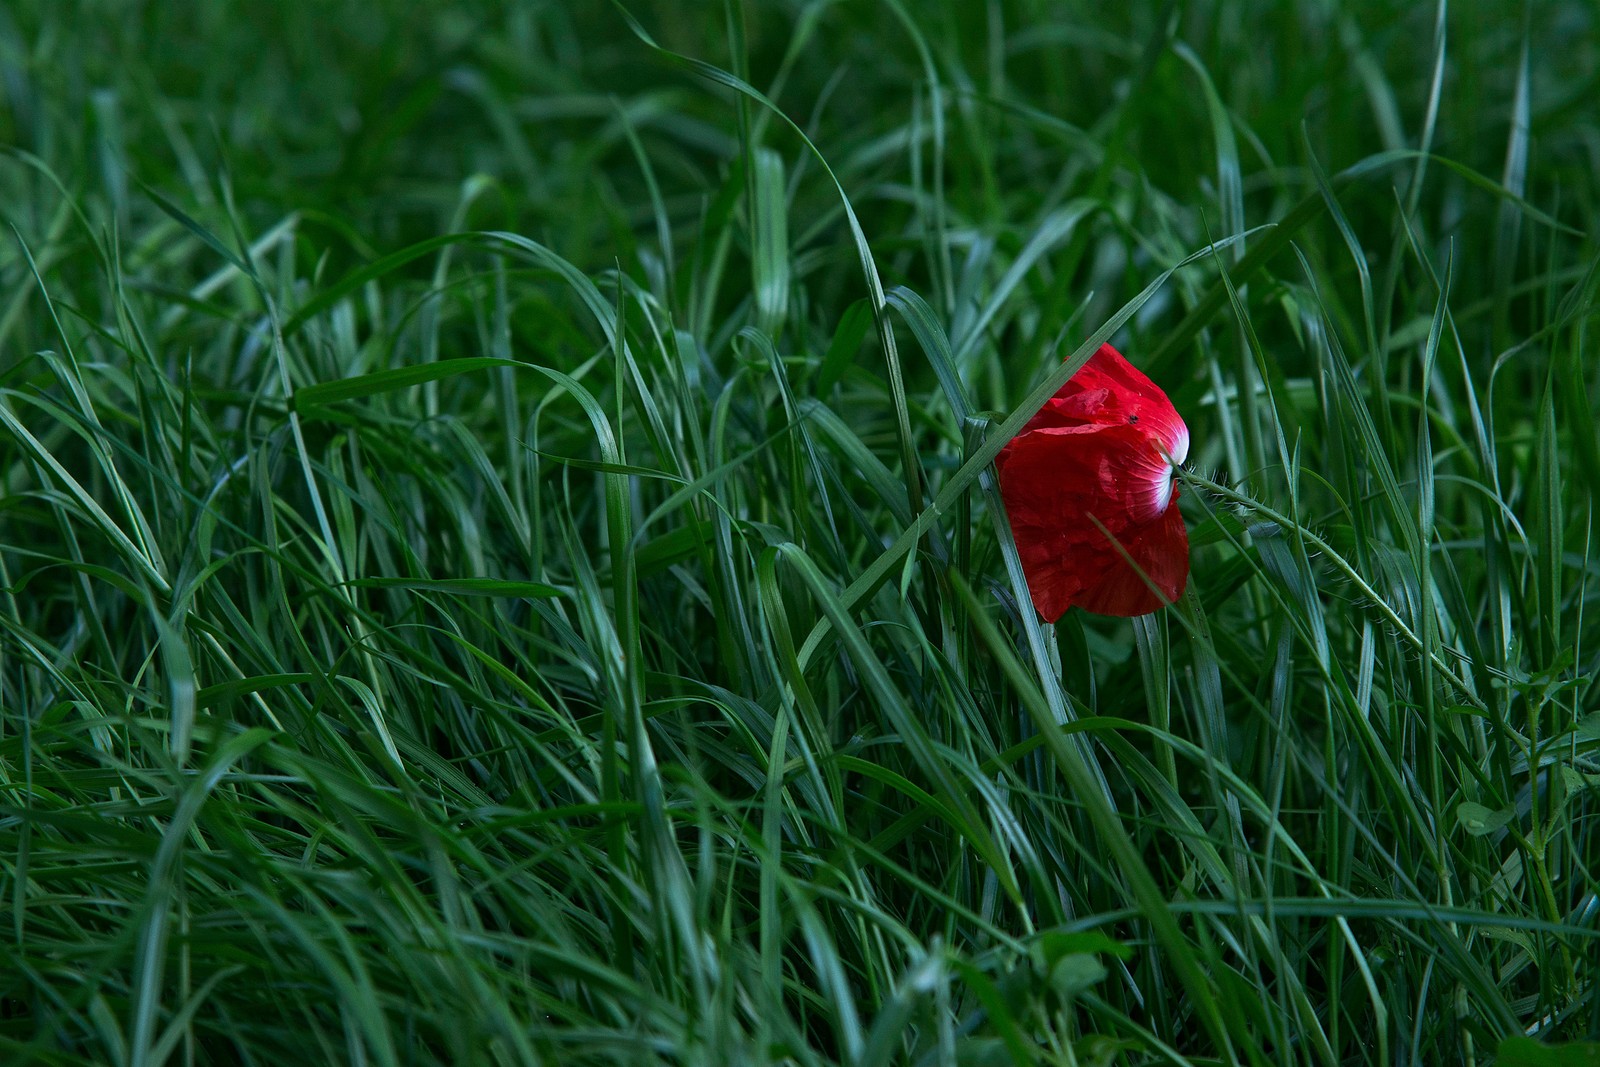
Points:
point(1343, 567)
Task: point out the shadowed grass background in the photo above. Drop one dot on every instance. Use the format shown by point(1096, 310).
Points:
point(497, 564)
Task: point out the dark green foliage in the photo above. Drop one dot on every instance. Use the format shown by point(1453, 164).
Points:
point(498, 564)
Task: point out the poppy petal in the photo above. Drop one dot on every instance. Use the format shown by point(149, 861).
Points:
point(1108, 390)
point(1104, 446)
point(1108, 370)
point(1136, 473)
point(1161, 551)
point(1051, 481)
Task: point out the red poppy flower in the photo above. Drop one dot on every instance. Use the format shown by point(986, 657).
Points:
point(1104, 448)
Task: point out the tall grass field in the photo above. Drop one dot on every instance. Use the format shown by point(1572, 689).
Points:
point(501, 562)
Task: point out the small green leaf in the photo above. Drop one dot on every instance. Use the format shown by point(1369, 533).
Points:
point(983, 1052)
point(1056, 944)
point(1075, 973)
point(670, 548)
point(1526, 1052)
point(847, 338)
point(1478, 820)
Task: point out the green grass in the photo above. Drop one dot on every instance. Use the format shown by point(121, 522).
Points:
point(498, 561)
